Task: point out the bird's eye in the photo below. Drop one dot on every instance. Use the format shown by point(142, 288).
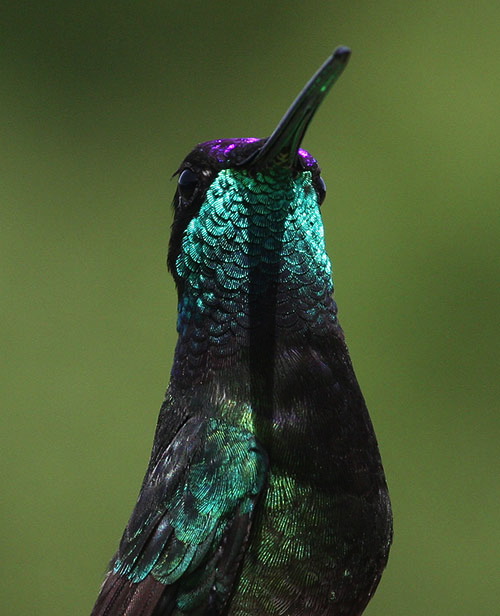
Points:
point(188, 181)
point(321, 188)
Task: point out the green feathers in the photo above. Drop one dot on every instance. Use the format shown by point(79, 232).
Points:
point(206, 481)
point(249, 222)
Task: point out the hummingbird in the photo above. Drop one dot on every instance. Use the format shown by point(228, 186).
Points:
point(265, 493)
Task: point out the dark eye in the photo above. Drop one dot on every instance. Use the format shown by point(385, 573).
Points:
point(188, 181)
point(321, 188)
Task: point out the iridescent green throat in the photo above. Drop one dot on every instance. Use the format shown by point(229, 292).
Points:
point(256, 236)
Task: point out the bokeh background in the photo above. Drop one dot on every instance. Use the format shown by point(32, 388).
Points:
point(100, 101)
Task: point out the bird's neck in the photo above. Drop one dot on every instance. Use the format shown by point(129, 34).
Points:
point(254, 270)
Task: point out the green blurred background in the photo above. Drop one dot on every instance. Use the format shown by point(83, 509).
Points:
point(100, 101)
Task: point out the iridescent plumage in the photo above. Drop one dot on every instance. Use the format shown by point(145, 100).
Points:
point(265, 493)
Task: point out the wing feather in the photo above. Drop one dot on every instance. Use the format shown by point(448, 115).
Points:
point(187, 535)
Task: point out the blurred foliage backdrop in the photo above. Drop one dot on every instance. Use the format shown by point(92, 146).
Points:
point(100, 101)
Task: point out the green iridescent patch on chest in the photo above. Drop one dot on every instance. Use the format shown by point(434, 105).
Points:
point(252, 232)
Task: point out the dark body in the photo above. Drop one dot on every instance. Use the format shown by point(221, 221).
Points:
point(265, 493)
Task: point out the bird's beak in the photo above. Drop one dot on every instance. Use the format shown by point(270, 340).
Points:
point(281, 148)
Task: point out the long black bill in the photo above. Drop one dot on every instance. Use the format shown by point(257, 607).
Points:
point(282, 146)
